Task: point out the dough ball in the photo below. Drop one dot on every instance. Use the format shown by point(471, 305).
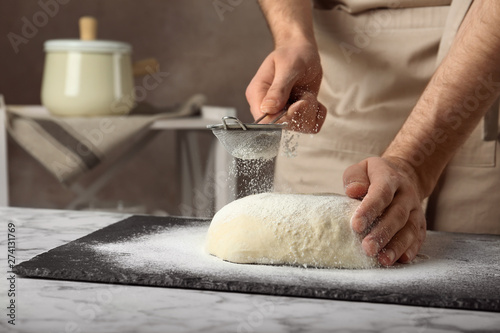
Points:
point(288, 229)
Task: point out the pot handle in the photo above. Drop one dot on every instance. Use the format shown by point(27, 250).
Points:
point(88, 28)
point(145, 67)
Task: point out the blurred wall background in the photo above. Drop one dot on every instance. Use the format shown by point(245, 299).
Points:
point(212, 47)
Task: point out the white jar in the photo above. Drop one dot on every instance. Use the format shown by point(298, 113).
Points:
point(87, 78)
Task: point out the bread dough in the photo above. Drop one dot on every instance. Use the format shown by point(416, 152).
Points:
point(290, 229)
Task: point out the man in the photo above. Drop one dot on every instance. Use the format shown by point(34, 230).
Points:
point(395, 119)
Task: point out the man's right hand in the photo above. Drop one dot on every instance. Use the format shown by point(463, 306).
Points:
point(289, 76)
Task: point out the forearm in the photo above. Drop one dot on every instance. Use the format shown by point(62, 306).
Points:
point(460, 92)
point(290, 21)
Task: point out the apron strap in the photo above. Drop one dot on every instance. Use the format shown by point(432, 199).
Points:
point(458, 10)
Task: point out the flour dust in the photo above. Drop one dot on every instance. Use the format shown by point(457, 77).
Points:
point(257, 175)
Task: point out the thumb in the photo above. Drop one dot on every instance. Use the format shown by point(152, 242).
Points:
point(356, 181)
point(278, 94)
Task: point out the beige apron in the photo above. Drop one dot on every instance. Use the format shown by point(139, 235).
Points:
point(377, 61)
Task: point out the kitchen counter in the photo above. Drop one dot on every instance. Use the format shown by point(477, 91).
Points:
point(65, 306)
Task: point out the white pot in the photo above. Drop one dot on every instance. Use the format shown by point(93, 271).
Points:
point(87, 78)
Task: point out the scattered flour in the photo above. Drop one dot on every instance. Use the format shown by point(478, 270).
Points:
point(254, 176)
point(181, 249)
point(289, 143)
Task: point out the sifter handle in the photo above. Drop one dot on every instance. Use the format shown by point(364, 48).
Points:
point(275, 120)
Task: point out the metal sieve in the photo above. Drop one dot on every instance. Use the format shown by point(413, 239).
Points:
point(249, 141)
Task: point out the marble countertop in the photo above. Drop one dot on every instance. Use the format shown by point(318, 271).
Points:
point(63, 306)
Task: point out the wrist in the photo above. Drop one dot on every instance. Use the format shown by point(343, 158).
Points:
point(302, 49)
point(295, 38)
point(290, 21)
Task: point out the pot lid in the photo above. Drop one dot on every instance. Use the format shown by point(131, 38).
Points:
point(90, 46)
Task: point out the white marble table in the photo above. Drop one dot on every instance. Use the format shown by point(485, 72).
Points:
point(63, 306)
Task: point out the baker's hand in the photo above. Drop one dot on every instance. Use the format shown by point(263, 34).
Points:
point(289, 76)
point(390, 215)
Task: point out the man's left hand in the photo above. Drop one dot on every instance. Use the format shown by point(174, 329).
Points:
point(390, 214)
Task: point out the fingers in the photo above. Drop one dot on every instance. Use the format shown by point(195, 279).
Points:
point(270, 88)
point(393, 220)
point(289, 78)
point(411, 252)
point(406, 242)
point(306, 115)
point(320, 117)
point(390, 217)
point(356, 181)
point(258, 87)
point(279, 92)
point(383, 186)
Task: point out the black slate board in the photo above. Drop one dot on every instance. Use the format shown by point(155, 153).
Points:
point(465, 273)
